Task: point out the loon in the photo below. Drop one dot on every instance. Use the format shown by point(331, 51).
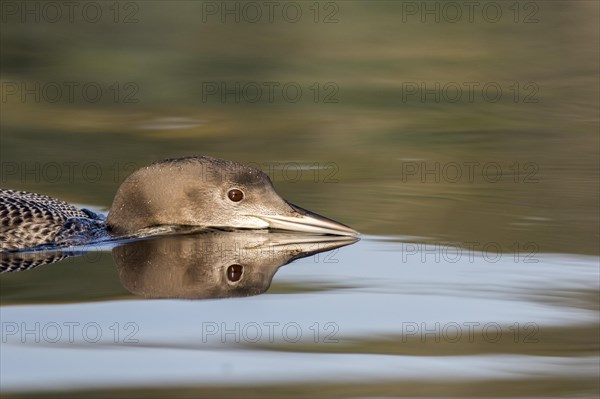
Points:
point(195, 191)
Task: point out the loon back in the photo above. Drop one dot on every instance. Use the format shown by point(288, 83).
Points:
point(29, 220)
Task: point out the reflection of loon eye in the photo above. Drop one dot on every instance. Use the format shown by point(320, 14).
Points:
point(234, 273)
point(235, 195)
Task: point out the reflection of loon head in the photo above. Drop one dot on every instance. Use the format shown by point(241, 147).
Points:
point(205, 191)
point(213, 264)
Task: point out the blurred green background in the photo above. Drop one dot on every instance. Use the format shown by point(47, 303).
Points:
point(156, 64)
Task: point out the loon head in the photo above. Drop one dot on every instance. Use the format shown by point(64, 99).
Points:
point(211, 192)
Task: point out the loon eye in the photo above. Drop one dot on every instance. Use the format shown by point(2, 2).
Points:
point(234, 273)
point(235, 195)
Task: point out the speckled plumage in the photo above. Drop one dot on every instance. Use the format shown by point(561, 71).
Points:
point(29, 220)
point(17, 262)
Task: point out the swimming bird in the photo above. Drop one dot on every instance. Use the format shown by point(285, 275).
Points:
point(190, 191)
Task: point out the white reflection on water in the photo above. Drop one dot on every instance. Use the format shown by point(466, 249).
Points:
point(380, 290)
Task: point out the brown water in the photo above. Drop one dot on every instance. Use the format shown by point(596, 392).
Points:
point(432, 138)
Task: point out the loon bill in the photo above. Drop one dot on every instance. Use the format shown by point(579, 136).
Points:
point(190, 191)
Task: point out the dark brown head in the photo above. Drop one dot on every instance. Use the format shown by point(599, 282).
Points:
point(211, 192)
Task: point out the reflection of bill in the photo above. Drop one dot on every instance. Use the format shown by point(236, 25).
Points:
point(215, 264)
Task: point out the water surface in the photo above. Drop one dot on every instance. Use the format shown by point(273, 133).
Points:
point(478, 217)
